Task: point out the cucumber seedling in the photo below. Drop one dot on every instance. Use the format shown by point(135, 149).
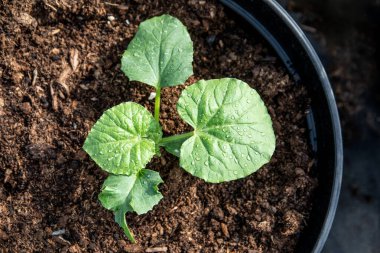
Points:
point(232, 133)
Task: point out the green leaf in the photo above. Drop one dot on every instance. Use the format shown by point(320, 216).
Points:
point(160, 54)
point(135, 193)
point(174, 147)
point(172, 144)
point(233, 134)
point(124, 139)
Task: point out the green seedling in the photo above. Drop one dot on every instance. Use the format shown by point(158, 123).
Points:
point(232, 133)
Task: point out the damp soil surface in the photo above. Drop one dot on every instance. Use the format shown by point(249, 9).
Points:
point(60, 69)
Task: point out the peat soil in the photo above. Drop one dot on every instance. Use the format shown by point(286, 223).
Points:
point(60, 69)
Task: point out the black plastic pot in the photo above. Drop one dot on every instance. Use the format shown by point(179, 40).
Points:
point(302, 62)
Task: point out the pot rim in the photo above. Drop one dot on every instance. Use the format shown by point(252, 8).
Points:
point(328, 92)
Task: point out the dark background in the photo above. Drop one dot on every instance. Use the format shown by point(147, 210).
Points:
point(345, 33)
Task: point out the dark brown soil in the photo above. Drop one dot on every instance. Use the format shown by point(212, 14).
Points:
point(60, 69)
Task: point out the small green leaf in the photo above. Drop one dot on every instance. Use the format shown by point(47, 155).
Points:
point(174, 147)
point(172, 144)
point(160, 54)
point(124, 139)
point(233, 133)
point(135, 193)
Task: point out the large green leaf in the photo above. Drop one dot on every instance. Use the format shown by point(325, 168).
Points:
point(233, 134)
point(124, 139)
point(160, 54)
point(135, 193)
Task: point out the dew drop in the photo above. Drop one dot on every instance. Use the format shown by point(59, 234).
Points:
point(248, 158)
point(235, 172)
point(230, 157)
point(233, 117)
point(101, 152)
point(248, 101)
point(192, 163)
point(197, 158)
point(245, 165)
point(206, 163)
